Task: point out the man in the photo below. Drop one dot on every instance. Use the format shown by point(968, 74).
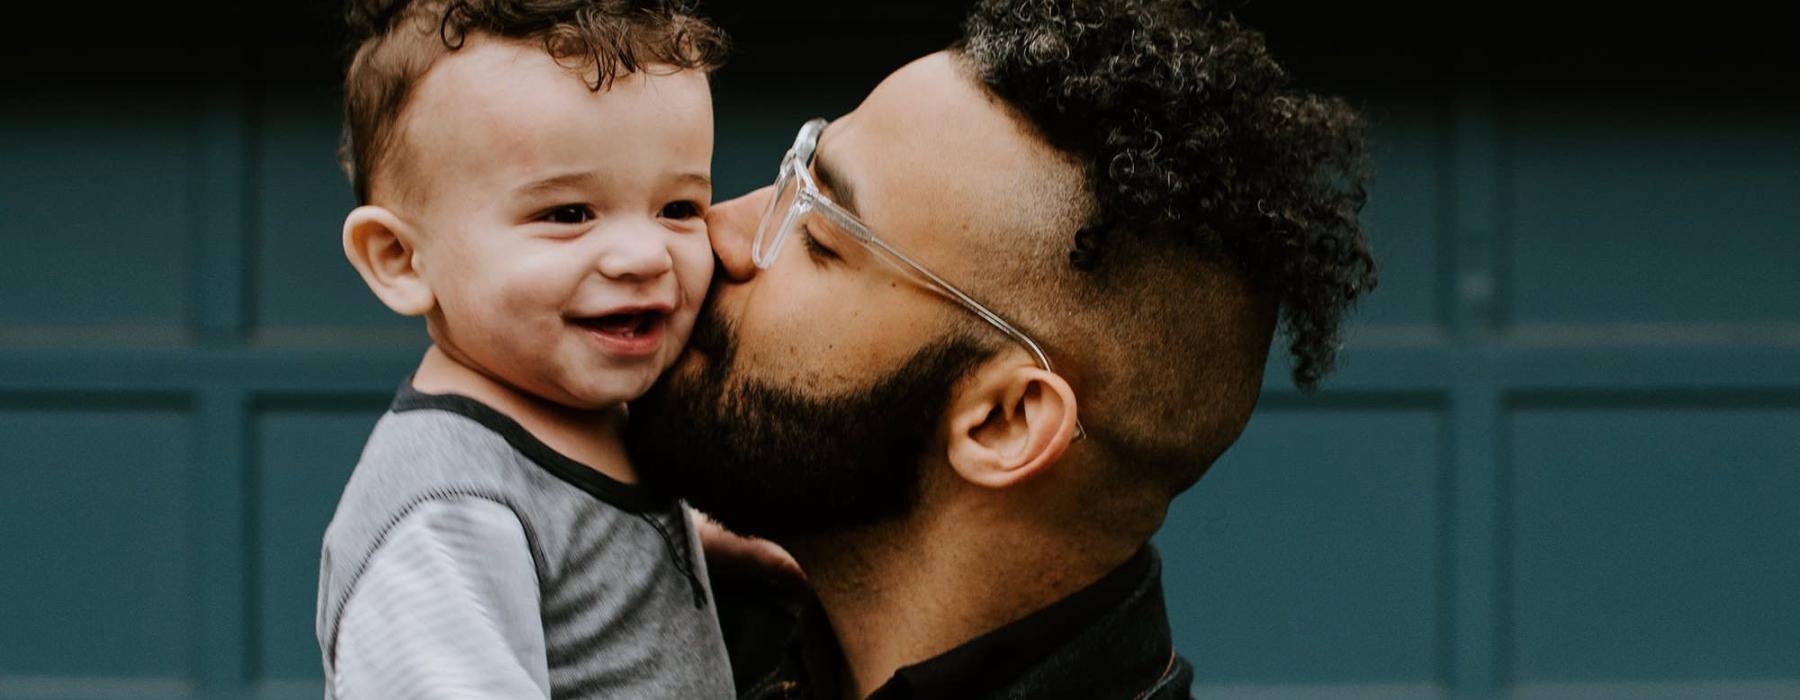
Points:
point(981, 331)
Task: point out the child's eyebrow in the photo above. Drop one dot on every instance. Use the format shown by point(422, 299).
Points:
point(701, 179)
point(588, 179)
point(557, 182)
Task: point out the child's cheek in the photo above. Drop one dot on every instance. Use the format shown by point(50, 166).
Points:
point(694, 264)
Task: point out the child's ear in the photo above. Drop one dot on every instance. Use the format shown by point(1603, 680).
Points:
point(380, 247)
point(1010, 425)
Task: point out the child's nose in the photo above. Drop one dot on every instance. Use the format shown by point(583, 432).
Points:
point(732, 226)
point(637, 255)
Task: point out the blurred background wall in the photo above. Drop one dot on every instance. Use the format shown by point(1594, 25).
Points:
point(1561, 458)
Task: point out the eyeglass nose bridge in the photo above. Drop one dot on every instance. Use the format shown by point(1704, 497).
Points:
point(774, 228)
point(769, 242)
point(771, 226)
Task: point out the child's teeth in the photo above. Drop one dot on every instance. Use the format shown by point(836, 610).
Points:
point(628, 325)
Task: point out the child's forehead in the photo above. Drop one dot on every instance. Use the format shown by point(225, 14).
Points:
point(497, 110)
point(494, 85)
point(492, 107)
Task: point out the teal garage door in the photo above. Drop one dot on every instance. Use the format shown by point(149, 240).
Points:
point(1561, 459)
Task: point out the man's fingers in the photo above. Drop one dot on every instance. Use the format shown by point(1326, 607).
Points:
point(729, 551)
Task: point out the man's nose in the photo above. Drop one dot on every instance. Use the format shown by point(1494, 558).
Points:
point(732, 227)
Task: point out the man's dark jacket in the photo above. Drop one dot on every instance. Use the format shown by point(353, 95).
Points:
point(1107, 641)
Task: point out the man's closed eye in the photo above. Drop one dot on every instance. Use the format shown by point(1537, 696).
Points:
point(816, 250)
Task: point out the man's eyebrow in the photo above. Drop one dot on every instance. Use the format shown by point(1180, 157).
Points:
point(832, 181)
point(556, 182)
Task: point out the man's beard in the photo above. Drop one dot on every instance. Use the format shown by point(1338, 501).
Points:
point(767, 461)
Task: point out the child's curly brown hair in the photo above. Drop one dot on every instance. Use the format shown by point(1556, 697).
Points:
point(395, 42)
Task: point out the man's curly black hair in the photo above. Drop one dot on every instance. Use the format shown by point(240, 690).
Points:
point(1187, 130)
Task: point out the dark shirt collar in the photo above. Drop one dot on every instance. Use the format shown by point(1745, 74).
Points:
point(1126, 602)
point(631, 498)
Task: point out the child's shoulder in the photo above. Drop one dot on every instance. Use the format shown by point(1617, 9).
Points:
point(423, 450)
point(424, 431)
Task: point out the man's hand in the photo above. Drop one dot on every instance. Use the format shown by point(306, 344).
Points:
point(736, 555)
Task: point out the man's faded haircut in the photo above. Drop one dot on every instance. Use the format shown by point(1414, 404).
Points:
point(396, 42)
point(1223, 204)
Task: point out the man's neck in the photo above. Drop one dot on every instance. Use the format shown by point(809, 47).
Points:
point(589, 437)
point(902, 593)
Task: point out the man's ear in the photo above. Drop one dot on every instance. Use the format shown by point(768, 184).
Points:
point(380, 246)
point(1010, 425)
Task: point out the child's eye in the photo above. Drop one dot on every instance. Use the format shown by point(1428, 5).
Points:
point(680, 210)
point(568, 214)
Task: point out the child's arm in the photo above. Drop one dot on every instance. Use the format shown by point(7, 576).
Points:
point(447, 607)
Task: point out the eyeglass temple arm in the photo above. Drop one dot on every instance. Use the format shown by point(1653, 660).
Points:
point(862, 233)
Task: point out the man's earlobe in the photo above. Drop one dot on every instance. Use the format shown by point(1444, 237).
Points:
point(1010, 426)
point(380, 246)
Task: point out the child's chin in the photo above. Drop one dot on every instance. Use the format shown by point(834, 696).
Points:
point(608, 394)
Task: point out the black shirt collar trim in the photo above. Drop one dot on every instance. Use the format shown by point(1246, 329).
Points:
point(627, 497)
point(992, 661)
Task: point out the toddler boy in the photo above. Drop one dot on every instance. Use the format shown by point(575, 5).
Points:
point(532, 177)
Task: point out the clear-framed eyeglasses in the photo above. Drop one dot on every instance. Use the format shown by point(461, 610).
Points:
point(797, 202)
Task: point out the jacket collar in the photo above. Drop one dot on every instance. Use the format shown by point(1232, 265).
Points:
point(1107, 640)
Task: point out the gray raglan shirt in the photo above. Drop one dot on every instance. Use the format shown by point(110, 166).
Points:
point(469, 560)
